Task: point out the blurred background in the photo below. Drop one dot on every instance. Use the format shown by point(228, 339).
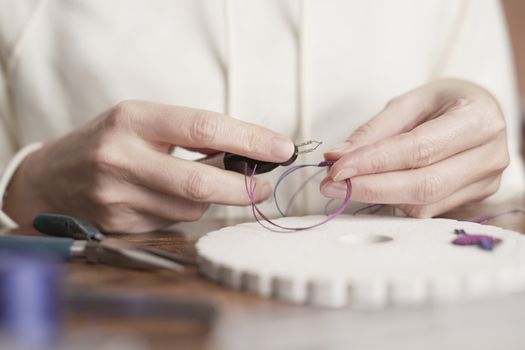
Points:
point(515, 11)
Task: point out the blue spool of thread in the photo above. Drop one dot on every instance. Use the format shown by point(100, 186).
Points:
point(29, 301)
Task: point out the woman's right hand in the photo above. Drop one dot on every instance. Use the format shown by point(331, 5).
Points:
point(117, 171)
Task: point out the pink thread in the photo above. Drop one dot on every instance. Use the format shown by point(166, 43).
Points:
point(260, 217)
point(293, 197)
point(483, 219)
point(370, 209)
point(289, 172)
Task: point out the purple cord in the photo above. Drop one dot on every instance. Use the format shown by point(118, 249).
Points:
point(260, 216)
point(483, 219)
point(292, 199)
point(372, 209)
point(283, 176)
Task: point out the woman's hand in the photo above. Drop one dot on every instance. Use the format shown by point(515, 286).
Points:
point(117, 172)
point(428, 151)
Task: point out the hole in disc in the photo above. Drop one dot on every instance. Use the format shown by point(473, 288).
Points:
point(362, 238)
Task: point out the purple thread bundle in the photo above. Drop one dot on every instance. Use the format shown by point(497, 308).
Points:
point(485, 242)
point(260, 216)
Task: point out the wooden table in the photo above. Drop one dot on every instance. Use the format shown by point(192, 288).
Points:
point(246, 321)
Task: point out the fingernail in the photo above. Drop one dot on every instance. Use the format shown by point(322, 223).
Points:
point(334, 190)
point(346, 173)
point(282, 148)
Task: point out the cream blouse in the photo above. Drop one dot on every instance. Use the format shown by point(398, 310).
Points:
point(306, 68)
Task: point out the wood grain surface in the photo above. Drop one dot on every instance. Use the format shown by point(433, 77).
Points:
point(246, 321)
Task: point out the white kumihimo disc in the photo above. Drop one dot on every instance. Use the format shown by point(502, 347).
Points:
point(365, 261)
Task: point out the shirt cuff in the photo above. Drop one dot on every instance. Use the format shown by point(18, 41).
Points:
point(5, 179)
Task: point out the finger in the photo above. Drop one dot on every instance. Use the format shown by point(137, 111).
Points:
point(144, 222)
point(473, 193)
point(195, 128)
point(424, 185)
point(194, 181)
point(122, 219)
point(401, 114)
point(121, 206)
point(167, 207)
point(405, 112)
point(428, 143)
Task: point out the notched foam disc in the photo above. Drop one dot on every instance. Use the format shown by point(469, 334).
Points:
point(366, 261)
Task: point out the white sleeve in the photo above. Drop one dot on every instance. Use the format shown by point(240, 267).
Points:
point(7, 147)
point(480, 51)
point(14, 17)
point(5, 177)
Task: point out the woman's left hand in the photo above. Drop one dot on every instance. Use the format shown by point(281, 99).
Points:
point(428, 151)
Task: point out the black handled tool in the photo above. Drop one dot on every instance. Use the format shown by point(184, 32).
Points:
point(241, 164)
point(66, 226)
point(72, 227)
point(121, 252)
point(110, 251)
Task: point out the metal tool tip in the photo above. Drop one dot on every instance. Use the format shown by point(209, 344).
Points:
point(315, 145)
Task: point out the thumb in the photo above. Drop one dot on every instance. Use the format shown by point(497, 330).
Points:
point(401, 114)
